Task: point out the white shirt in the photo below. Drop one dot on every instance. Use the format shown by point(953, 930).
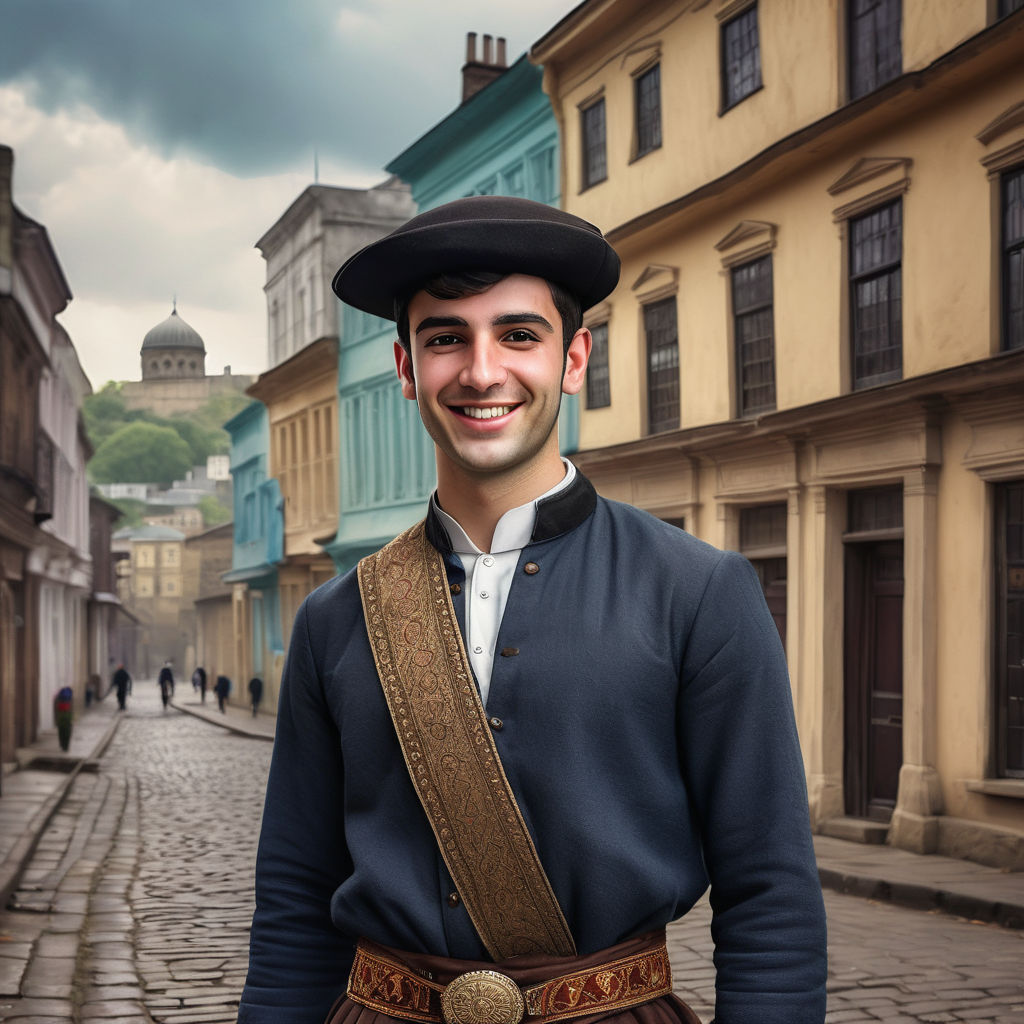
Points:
point(489, 575)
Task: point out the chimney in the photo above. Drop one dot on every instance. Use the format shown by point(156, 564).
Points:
point(476, 74)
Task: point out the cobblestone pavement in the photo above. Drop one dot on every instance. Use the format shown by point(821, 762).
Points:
point(137, 903)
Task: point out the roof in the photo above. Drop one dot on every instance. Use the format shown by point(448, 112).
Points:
point(148, 533)
point(173, 333)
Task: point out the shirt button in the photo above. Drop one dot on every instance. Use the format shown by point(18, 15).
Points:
point(455, 588)
point(478, 650)
point(531, 568)
point(496, 724)
point(453, 899)
point(484, 594)
point(488, 561)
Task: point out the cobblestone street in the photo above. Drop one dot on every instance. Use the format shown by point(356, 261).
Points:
point(137, 902)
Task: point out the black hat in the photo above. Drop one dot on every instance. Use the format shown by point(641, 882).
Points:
point(497, 233)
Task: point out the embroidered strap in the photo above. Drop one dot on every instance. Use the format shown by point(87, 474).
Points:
point(450, 752)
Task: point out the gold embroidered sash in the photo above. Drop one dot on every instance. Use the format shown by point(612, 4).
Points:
point(450, 752)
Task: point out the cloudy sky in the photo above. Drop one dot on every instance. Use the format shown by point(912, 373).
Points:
point(157, 141)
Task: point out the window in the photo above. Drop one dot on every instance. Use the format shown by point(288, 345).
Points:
point(763, 541)
point(876, 300)
point(647, 97)
point(542, 175)
point(1009, 6)
point(875, 53)
point(1009, 571)
point(1013, 258)
point(599, 392)
point(741, 58)
point(595, 161)
point(662, 366)
point(755, 337)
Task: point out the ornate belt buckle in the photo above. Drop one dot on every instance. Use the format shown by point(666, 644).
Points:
point(482, 997)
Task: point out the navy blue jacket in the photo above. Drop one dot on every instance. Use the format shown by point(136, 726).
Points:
point(648, 737)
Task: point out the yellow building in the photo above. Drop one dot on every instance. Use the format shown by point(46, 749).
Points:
point(815, 355)
point(301, 397)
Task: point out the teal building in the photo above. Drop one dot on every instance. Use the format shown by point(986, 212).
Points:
point(257, 549)
point(502, 140)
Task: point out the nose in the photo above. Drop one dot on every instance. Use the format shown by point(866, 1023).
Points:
point(483, 368)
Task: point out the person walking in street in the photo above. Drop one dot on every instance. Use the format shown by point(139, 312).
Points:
point(166, 676)
point(122, 683)
point(529, 732)
point(199, 682)
point(222, 688)
point(62, 716)
point(255, 693)
point(166, 688)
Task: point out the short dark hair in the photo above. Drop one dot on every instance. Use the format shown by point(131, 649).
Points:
point(461, 283)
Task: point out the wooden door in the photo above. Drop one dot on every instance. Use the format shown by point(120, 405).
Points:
point(873, 683)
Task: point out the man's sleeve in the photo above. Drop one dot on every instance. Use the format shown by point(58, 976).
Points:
point(743, 764)
point(298, 960)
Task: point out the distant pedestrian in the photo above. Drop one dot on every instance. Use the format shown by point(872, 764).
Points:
point(255, 693)
point(222, 688)
point(199, 682)
point(62, 716)
point(166, 676)
point(122, 683)
point(166, 684)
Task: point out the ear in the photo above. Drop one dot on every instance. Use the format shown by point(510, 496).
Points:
point(403, 363)
point(576, 358)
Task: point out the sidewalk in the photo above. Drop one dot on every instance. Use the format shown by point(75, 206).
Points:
point(32, 794)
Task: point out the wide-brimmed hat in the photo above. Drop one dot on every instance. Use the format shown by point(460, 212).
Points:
point(497, 233)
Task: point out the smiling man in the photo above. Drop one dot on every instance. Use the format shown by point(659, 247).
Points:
point(529, 732)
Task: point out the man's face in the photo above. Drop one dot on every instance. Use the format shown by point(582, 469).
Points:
point(488, 373)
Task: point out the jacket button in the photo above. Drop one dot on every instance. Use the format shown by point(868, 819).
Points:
point(509, 652)
point(531, 568)
point(496, 724)
point(453, 899)
point(455, 588)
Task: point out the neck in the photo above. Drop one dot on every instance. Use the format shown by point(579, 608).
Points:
point(478, 501)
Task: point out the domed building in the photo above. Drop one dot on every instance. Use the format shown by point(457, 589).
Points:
point(173, 349)
point(174, 377)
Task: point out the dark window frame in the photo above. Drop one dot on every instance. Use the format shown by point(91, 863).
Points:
point(598, 382)
point(1007, 7)
point(732, 34)
point(1008, 575)
point(594, 164)
point(872, 271)
point(647, 110)
point(873, 56)
point(1011, 259)
point(752, 286)
point(663, 407)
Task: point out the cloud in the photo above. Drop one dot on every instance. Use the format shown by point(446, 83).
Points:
point(255, 86)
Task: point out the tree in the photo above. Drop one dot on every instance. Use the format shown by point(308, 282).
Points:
point(213, 512)
point(141, 453)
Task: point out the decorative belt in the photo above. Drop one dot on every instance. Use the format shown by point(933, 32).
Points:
point(383, 983)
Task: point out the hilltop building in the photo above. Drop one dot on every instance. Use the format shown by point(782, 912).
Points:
point(174, 378)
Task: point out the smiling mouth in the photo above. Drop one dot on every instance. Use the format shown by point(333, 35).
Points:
point(488, 412)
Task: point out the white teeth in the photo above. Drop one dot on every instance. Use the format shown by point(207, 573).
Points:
point(487, 413)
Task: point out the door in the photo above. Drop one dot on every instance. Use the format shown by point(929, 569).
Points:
point(873, 683)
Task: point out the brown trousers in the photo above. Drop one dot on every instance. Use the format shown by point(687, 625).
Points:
point(532, 970)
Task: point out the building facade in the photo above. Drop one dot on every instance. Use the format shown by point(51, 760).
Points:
point(207, 559)
point(815, 356)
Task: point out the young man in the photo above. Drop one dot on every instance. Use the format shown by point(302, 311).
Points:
point(593, 704)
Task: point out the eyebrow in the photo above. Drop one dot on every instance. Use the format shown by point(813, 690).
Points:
point(504, 320)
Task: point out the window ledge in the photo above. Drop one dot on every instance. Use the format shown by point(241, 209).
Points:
point(997, 787)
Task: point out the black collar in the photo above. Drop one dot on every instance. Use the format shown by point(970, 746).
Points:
point(556, 515)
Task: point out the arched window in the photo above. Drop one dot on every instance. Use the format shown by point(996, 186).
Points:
point(167, 364)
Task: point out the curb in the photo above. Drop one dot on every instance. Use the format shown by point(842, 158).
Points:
point(224, 723)
point(924, 897)
point(21, 853)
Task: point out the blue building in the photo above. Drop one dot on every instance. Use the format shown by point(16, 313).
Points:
point(257, 550)
point(501, 140)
